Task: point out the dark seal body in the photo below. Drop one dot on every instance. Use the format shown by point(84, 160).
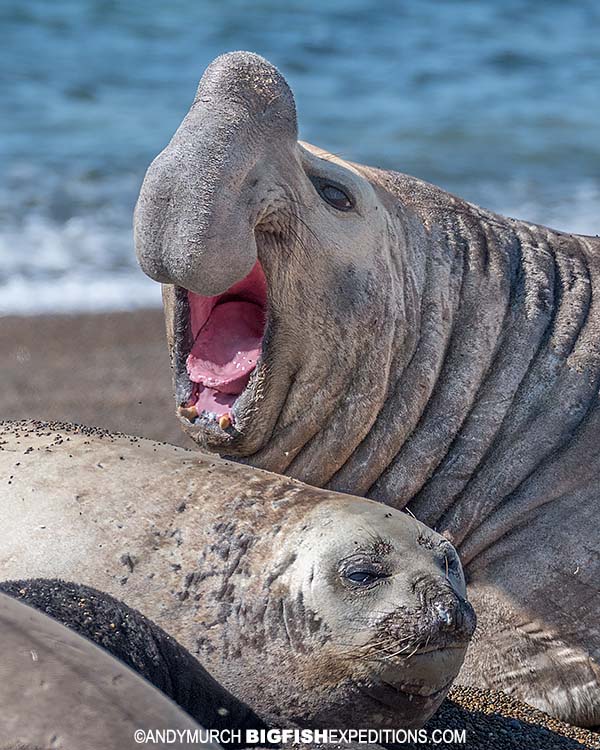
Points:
point(59, 690)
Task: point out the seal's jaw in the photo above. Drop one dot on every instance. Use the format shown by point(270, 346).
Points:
point(217, 354)
point(409, 706)
point(414, 685)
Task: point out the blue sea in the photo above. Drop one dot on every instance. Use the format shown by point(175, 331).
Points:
point(498, 101)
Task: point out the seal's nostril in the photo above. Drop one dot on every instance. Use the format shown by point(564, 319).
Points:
point(445, 614)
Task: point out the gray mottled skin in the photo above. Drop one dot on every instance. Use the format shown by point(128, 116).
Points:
point(245, 569)
point(419, 350)
point(58, 690)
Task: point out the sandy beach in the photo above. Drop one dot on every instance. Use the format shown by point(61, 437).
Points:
point(109, 370)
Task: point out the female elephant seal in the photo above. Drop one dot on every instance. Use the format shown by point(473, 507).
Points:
point(310, 606)
point(58, 690)
point(364, 331)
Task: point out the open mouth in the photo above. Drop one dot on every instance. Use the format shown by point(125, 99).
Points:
point(219, 351)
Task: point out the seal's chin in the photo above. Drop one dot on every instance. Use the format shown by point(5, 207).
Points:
point(420, 686)
point(218, 351)
point(408, 706)
point(401, 693)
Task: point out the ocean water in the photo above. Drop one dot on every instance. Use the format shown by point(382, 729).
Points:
point(496, 101)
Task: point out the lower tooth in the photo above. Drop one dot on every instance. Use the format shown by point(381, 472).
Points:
point(224, 421)
point(188, 412)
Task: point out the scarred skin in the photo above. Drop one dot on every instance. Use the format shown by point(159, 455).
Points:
point(246, 570)
point(419, 350)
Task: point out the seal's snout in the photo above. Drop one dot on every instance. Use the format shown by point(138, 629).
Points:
point(448, 619)
point(194, 220)
point(247, 82)
point(195, 229)
point(452, 616)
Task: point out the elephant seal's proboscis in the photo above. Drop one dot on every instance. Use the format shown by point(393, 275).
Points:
point(364, 331)
point(310, 606)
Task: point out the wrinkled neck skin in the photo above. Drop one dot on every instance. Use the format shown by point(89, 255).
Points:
point(464, 387)
point(446, 370)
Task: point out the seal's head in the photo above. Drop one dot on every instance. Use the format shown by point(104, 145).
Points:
point(276, 261)
point(390, 596)
point(355, 613)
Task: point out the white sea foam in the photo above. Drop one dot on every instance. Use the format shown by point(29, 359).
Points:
point(87, 263)
point(75, 292)
point(77, 266)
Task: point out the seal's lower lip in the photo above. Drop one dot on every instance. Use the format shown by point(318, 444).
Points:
point(426, 691)
point(218, 351)
point(391, 695)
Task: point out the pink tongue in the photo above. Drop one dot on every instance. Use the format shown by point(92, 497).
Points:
point(227, 347)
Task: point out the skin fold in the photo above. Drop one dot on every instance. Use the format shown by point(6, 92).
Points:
point(311, 607)
point(419, 350)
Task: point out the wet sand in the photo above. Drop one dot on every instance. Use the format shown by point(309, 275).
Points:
point(107, 370)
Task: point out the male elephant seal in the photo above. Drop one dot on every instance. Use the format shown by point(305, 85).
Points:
point(58, 690)
point(364, 331)
point(310, 606)
point(133, 639)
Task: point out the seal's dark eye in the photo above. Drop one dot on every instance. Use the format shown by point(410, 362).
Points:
point(362, 576)
point(333, 194)
point(363, 573)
